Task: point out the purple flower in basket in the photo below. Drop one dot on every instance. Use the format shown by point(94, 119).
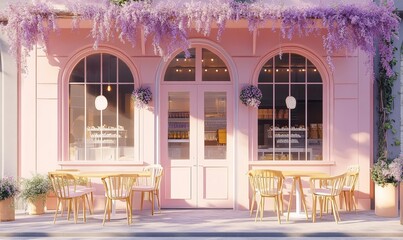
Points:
point(142, 96)
point(251, 96)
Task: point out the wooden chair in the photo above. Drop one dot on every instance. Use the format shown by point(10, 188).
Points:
point(151, 185)
point(82, 184)
point(118, 187)
point(347, 193)
point(326, 189)
point(65, 188)
point(267, 184)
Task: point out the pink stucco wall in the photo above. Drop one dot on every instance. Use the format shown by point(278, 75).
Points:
point(348, 105)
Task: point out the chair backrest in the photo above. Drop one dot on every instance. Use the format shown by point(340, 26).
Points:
point(334, 185)
point(82, 181)
point(63, 184)
point(154, 180)
point(119, 186)
point(353, 169)
point(267, 182)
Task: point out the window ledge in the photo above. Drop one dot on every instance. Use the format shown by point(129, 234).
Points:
point(95, 163)
point(291, 163)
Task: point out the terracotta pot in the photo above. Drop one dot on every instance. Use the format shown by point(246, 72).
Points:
point(386, 201)
point(51, 200)
point(37, 207)
point(7, 210)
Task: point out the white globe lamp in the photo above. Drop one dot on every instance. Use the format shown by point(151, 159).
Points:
point(101, 103)
point(291, 102)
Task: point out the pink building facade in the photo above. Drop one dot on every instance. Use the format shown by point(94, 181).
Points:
point(196, 126)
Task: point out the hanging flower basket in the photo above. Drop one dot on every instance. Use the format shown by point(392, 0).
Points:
point(142, 96)
point(251, 96)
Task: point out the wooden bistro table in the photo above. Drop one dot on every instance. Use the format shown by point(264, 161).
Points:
point(297, 187)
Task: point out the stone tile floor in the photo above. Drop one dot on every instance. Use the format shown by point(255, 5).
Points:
point(203, 224)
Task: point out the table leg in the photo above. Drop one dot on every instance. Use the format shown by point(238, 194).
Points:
point(290, 198)
point(300, 191)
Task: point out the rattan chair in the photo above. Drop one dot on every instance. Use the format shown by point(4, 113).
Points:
point(326, 189)
point(118, 187)
point(151, 185)
point(267, 184)
point(65, 188)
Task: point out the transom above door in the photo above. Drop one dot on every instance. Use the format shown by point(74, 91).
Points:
point(202, 66)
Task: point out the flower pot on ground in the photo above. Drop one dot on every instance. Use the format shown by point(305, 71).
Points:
point(387, 174)
point(34, 192)
point(8, 190)
point(7, 209)
point(386, 200)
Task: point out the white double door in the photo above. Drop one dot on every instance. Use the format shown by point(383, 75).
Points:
point(196, 143)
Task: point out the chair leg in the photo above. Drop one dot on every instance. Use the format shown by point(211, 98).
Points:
point(106, 210)
point(313, 208)
point(277, 202)
point(354, 202)
point(157, 194)
point(302, 197)
point(259, 208)
point(152, 202)
point(69, 204)
point(58, 202)
point(142, 200)
point(252, 204)
point(335, 211)
point(84, 209)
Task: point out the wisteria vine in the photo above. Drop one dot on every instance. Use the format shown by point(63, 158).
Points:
point(168, 24)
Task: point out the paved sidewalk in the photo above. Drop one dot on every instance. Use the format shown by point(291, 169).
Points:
point(203, 224)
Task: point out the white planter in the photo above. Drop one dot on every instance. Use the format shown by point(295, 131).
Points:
point(386, 201)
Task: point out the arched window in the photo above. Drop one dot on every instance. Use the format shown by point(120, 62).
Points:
point(101, 135)
point(286, 133)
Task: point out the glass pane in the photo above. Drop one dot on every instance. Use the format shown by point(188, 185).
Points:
point(281, 113)
point(109, 68)
point(282, 68)
point(315, 120)
point(297, 68)
point(77, 75)
point(77, 128)
point(298, 113)
point(215, 125)
point(181, 68)
point(313, 73)
point(178, 125)
point(266, 74)
point(94, 130)
point(214, 69)
point(126, 123)
point(94, 68)
point(265, 123)
point(125, 75)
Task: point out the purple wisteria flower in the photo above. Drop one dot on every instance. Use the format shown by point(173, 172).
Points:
point(142, 96)
point(169, 23)
point(8, 188)
point(251, 96)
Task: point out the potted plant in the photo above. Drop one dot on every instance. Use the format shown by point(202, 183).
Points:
point(8, 190)
point(34, 192)
point(387, 174)
point(251, 96)
point(142, 96)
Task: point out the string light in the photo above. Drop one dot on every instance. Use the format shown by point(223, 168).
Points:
point(205, 70)
point(265, 70)
point(190, 70)
point(225, 70)
point(177, 60)
point(314, 70)
point(177, 70)
point(276, 70)
point(109, 88)
point(212, 59)
point(216, 70)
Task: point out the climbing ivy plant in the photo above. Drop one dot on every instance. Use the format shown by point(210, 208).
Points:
point(386, 99)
